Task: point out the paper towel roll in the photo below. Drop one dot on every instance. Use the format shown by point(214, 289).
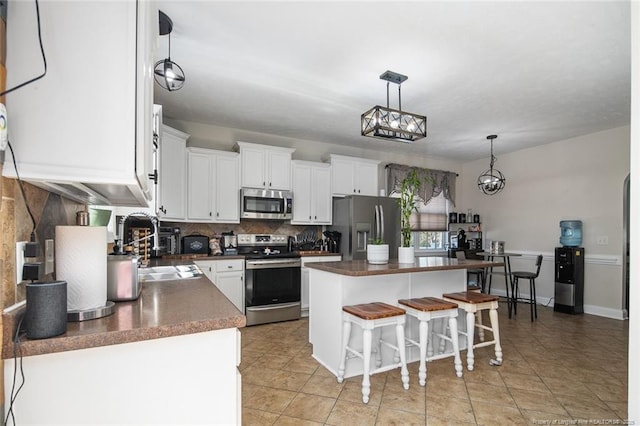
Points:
point(81, 261)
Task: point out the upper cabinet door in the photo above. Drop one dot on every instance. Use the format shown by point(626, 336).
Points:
point(301, 193)
point(342, 177)
point(227, 184)
point(279, 166)
point(253, 167)
point(172, 174)
point(199, 199)
point(366, 178)
point(311, 193)
point(321, 193)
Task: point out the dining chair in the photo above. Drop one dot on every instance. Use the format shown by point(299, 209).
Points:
point(531, 276)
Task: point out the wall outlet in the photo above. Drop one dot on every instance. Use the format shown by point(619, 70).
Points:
point(20, 246)
point(48, 256)
point(602, 240)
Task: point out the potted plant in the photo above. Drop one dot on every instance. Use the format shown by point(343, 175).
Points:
point(377, 252)
point(409, 188)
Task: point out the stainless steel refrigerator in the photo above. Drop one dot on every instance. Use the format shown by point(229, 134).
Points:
point(361, 218)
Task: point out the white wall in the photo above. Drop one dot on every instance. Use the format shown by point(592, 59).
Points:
point(580, 178)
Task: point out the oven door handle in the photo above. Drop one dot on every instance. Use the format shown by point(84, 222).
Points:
point(272, 307)
point(272, 263)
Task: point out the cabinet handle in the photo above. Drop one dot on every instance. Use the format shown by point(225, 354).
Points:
point(163, 210)
point(309, 217)
point(358, 191)
point(264, 183)
point(354, 190)
point(315, 217)
point(154, 176)
point(217, 214)
point(229, 266)
point(210, 214)
point(269, 183)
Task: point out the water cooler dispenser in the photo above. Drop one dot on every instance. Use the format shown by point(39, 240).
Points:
point(569, 278)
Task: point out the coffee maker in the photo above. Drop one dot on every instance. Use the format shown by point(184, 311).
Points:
point(333, 241)
point(229, 244)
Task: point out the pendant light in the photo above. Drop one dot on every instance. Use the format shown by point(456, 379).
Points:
point(492, 180)
point(387, 123)
point(167, 73)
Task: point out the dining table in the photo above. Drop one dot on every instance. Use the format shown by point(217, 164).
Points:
point(508, 279)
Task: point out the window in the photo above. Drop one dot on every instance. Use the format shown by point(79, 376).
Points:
point(430, 224)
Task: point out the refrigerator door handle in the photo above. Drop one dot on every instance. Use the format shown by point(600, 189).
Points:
point(381, 222)
point(376, 218)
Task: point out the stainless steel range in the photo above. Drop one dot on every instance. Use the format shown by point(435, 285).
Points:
point(272, 278)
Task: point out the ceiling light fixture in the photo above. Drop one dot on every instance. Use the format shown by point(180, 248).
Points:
point(167, 73)
point(387, 123)
point(492, 180)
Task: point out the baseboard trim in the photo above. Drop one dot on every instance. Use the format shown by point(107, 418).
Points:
point(599, 311)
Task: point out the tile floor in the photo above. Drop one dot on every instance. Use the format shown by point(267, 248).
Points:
point(562, 367)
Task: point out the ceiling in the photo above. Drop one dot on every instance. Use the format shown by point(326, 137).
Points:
point(531, 72)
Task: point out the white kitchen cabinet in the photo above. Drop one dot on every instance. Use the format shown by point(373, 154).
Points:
point(213, 190)
point(172, 175)
point(228, 276)
point(311, 186)
point(265, 166)
point(85, 130)
point(304, 278)
point(353, 176)
point(187, 379)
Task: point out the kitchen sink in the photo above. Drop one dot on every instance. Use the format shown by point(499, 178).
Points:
point(165, 273)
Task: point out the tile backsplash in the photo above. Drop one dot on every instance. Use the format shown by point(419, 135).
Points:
point(48, 209)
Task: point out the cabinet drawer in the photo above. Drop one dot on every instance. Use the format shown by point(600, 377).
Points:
point(229, 265)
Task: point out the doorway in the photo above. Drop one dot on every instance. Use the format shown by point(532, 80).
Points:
point(625, 246)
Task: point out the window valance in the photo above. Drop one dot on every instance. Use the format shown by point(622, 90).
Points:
point(434, 182)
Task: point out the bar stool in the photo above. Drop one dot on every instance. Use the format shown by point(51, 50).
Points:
point(473, 303)
point(426, 309)
point(371, 317)
point(478, 272)
point(478, 289)
point(515, 290)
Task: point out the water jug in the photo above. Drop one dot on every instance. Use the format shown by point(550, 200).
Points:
point(571, 233)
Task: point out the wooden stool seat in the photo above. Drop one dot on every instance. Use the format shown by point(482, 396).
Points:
point(425, 310)
point(471, 297)
point(475, 288)
point(473, 304)
point(373, 311)
point(428, 304)
point(371, 317)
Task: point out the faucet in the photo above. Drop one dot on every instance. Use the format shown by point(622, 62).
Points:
point(123, 219)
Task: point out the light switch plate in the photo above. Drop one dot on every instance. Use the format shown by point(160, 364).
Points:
point(20, 246)
point(48, 256)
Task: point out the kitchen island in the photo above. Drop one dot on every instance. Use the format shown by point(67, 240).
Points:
point(169, 357)
point(333, 285)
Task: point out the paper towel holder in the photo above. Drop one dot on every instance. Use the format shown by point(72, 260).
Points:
point(89, 314)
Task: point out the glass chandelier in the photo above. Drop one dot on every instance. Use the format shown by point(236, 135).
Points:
point(491, 181)
point(388, 123)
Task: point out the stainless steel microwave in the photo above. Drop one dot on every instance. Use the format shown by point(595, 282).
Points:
point(265, 204)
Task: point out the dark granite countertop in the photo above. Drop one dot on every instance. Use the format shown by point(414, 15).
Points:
point(360, 268)
point(164, 309)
